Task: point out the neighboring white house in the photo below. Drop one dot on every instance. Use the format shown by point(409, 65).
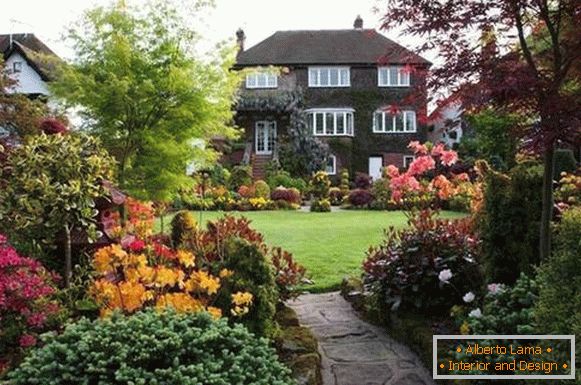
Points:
point(28, 61)
point(447, 123)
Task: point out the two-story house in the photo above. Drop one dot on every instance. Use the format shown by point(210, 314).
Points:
point(356, 87)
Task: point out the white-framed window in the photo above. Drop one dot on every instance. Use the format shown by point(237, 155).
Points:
point(331, 167)
point(261, 79)
point(329, 77)
point(393, 76)
point(331, 121)
point(407, 160)
point(17, 66)
point(386, 122)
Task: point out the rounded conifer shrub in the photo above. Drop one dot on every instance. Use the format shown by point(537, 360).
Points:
point(152, 347)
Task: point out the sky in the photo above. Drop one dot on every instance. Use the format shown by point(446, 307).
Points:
point(48, 19)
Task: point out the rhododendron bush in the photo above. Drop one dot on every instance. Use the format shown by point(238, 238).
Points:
point(26, 304)
point(430, 178)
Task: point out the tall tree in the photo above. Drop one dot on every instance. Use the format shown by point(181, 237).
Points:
point(519, 56)
point(143, 91)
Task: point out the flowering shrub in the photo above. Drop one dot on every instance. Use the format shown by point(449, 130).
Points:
point(26, 307)
point(153, 348)
point(320, 184)
point(568, 193)
point(259, 203)
point(246, 191)
point(427, 267)
point(360, 198)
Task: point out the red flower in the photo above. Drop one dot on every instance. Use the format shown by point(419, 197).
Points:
point(136, 246)
point(27, 340)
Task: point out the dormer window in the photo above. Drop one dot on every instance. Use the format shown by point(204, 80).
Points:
point(393, 76)
point(329, 77)
point(261, 79)
point(17, 67)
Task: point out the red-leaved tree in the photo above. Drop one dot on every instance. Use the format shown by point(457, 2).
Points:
point(517, 56)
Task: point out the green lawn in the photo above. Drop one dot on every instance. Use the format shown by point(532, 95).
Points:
point(330, 245)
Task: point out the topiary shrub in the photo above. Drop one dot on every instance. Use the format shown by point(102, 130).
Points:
point(360, 198)
point(240, 176)
point(344, 186)
point(153, 347)
point(320, 184)
point(381, 195)
point(290, 195)
point(261, 189)
point(509, 222)
point(182, 223)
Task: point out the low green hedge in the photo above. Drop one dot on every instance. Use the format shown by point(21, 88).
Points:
point(153, 348)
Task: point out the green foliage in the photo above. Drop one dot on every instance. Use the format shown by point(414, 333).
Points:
point(182, 224)
point(558, 309)
point(150, 100)
point(507, 309)
point(240, 176)
point(52, 182)
point(564, 162)
point(381, 195)
point(153, 347)
point(301, 153)
point(321, 205)
point(509, 223)
point(492, 140)
point(283, 178)
point(261, 189)
point(254, 273)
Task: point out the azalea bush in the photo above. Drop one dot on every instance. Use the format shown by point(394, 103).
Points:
point(27, 304)
point(425, 268)
point(153, 347)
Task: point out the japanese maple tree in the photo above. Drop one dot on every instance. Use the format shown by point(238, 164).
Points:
point(516, 56)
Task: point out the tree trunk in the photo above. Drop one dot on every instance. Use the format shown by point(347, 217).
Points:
point(547, 208)
point(68, 259)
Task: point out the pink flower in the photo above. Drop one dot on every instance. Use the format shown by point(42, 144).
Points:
point(3, 239)
point(136, 246)
point(462, 177)
point(449, 157)
point(437, 150)
point(392, 171)
point(421, 164)
point(27, 340)
point(418, 148)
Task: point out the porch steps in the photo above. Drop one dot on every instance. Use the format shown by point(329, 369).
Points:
point(259, 163)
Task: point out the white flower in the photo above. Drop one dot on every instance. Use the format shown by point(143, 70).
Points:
point(494, 288)
point(468, 297)
point(445, 275)
point(476, 313)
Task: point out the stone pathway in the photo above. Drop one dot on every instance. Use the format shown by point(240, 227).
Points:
point(353, 351)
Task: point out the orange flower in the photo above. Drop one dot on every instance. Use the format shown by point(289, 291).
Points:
point(214, 312)
point(186, 258)
point(108, 258)
point(181, 302)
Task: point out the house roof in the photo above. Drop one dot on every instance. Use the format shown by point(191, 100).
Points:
point(34, 51)
point(345, 46)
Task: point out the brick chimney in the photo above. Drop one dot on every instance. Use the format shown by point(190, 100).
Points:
point(358, 24)
point(240, 39)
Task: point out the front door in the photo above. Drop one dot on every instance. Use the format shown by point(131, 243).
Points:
point(265, 136)
point(375, 165)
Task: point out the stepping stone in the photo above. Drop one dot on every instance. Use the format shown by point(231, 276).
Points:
point(409, 379)
point(362, 374)
point(342, 333)
point(359, 352)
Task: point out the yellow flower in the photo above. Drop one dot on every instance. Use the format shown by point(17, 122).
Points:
point(201, 280)
point(186, 258)
point(225, 273)
point(242, 298)
point(181, 302)
point(214, 312)
point(165, 276)
point(106, 259)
